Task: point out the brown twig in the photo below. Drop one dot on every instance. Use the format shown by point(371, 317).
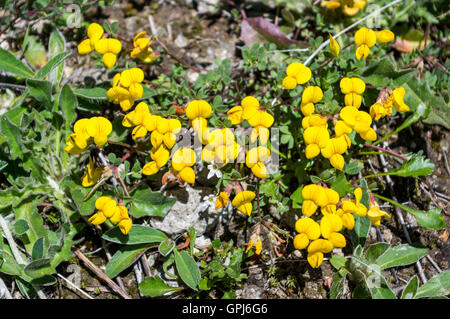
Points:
point(102, 275)
point(173, 55)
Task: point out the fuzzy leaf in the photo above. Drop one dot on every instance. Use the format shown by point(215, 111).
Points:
point(155, 287)
point(187, 268)
point(436, 287)
point(9, 63)
point(148, 203)
point(411, 288)
point(124, 258)
point(53, 63)
point(400, 256)
point(138, 234)
point(417, 166)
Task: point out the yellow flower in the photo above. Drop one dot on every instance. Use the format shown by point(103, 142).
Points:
point(106, 205)
point(255, 240)
point(109, 48)
point(142, 49)
point(198, 110)
point(399, 104)
point(182, 161)
point(297, 73)
point(316, 250)
point(310, 96)
point(125, 225)
point(141, 119)
point(352, 88)
point(315, 139)
point(341, 129)
point(317, 196)
point(243, 202)
point(95, 32)
point(97, 219)
point(314, 120)
point(375, 214)
point(92, 175)
point(160, 156)
point(378, 111)
point(364, 39)
point(121, 96)
point(335, 147)
point(359, 121)
point(255, 161)
point(120, 213)
point(351, 7)
point(95, 129)
point(222, 200)
point(385, 36)
point(235, 115)
point(131, 79)
point(334, 47)
point(331, 5)
point(250, 106)
point(261, 121)
point(308, 230)
point(220, 146)
point(165, 131)
point(330, 224)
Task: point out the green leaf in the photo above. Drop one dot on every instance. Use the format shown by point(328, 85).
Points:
point(338, 261)
point(56, 45)
point(96, 93)
point(411, 288)
point(68, 103)
point(341, 185)
point(374, 251)
point(353, 167)
point(38, 249)
point(34, 52)
point(9, 63)
point(53, 63)
point(138, 234)
point(84, 207)
point(384, 73)
point(431, 219)
point(124, 258)
point(418, 92)
point(155, 287)
point(13, 135)
point(148, 203)
point(382, 292)
point(187, 268)
point(42, 91)
point(28, 212)
point(21, 226)
point(38, 268)
point(337, 287)
point(417, 166)
point(360, 231)
point(8, 265)
point(166, 247)
point(401, 255)
point(436, 286)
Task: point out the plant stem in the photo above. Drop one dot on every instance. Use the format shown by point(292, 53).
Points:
point(324, 44)
point(379, 148)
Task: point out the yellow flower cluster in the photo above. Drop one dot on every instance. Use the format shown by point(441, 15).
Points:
point(87, 131)
point(383, 106)
point(109, 48)
point(243, 202)
point(108, 209)
point(182, 162)
point(349, 7)
point(259, 119)
point(366, 38)
point(126, 88)
point(336, 214)
point(142, 49)
point(296, 73)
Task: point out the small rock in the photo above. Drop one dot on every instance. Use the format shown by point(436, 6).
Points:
point(181, 41)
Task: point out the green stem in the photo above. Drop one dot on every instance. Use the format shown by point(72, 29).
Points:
point(391, 201)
